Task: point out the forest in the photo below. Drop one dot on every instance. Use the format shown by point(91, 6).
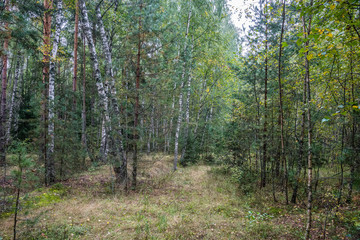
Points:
point(163, 119)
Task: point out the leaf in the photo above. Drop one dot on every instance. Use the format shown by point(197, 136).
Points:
point(330, 35)
point(310, 56)
point(284, 44)
point(332, 6)
point(299, 42)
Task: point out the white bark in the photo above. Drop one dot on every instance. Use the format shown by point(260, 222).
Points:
point(103, 99)
point(112, 94)
point(142, 118)
point(52, 73)
point(18, 99)
point(187, 113)
point(153, 127)
point(103, 142)
point(151, 131)
point(171, 119)
point(14, 99)
point(178, 126)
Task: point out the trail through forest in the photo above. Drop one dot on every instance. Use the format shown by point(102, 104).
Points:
point(191, 203)
point(196, 202)
point(187, 204)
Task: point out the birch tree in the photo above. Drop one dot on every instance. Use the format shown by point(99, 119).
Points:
point(52, 73)
point(180, 116)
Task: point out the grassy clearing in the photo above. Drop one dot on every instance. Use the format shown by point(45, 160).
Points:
point(188, 204)
point(196, 202)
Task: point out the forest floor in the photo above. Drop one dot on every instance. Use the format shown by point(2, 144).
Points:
point(192, 203)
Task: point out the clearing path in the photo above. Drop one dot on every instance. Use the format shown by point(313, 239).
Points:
point(191, 203)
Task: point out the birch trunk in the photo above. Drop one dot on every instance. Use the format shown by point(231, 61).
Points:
point(18, 99)
point(75, 48)
point(14, 99)
point(83, 113)
point(178, 125)
point(51, 116)
point(103, 143)
point(283, 157)
point(169, 133)
point(307, 30)
point(149, 131)
point(136, 110)
point(265, 157)
point(187, 114)
point(45, 80)
point(153, 126)
point(120, 167)
point(103, 99)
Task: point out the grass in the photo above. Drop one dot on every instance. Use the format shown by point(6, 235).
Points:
point(197, 202)
point(187, 204)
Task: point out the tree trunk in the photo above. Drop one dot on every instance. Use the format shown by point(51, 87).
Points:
point(307, 30)
point(18, 99)
point(187, 111)
point(45, 80)
point(14, 99)
point(178, 126)
point(3, 95)
point(264, 160)
point(51, 116)
point(83, 113)
point(283, 157)
point(120, 167)
point(136, 107)
point(103, 143)
point(75, 48)
point(353, 131)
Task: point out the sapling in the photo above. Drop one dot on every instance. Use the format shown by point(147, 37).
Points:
point(22, 165)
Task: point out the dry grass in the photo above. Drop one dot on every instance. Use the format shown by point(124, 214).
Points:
point(187, 204)
point(193, 203)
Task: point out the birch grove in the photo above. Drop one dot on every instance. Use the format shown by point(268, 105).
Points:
point(149, 102)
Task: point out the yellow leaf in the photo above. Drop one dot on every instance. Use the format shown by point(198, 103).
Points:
point(355, 106)
point(310, 56)
point(332, 7)
point(330, 35)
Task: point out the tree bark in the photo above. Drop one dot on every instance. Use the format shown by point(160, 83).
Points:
point(75, 48)
point(264, 160)
point(187, 111)
point(307, 30)
point(136, 107)
point(45, 80)
point(3, 95)
point(18, 99)
point(178, 126)
point(120, 167)
point(14, 99)
point(83, 113)
point(283, 157)
point(51, 116)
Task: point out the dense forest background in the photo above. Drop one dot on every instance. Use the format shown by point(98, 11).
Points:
point(272, 108)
